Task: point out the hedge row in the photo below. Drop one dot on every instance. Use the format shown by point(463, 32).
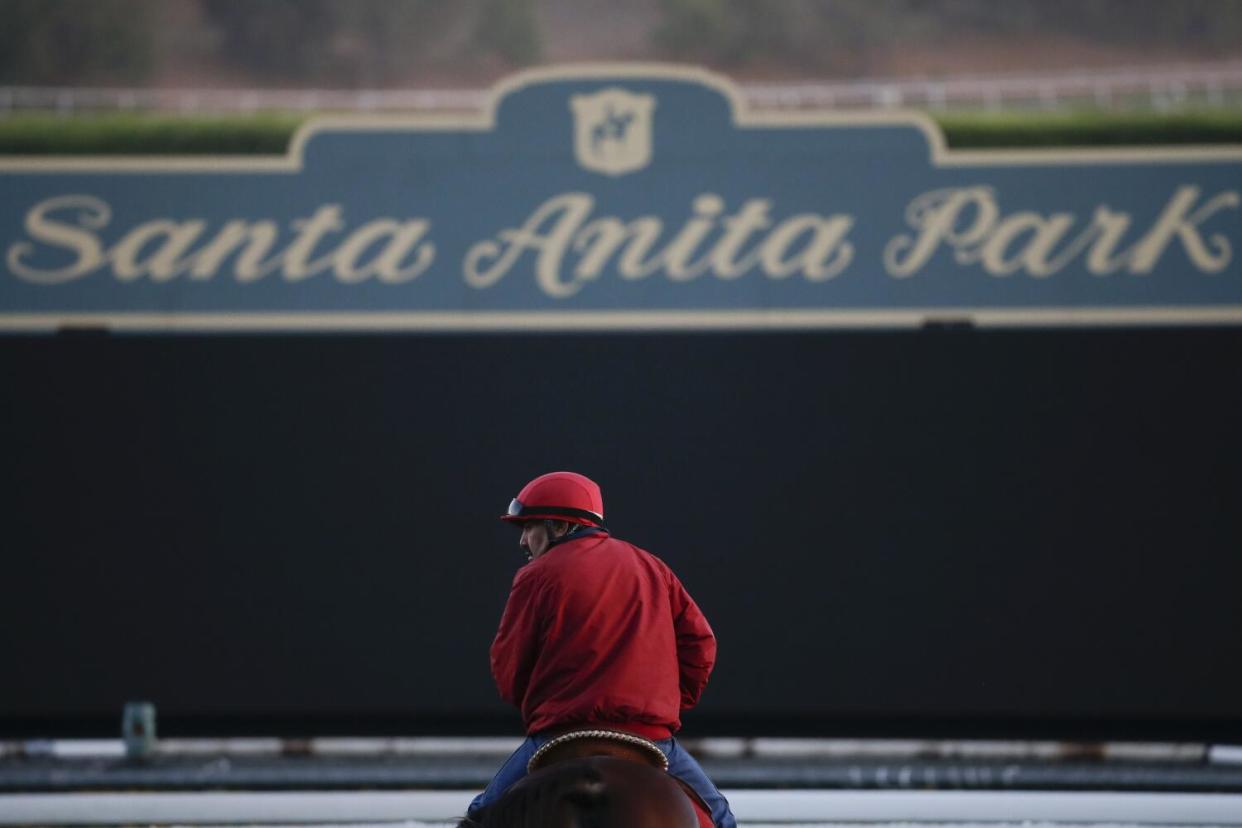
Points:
point(269, 134)
point(132, 134)
point(1091, 129)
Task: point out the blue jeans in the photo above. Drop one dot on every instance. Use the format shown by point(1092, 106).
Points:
point(680, 764)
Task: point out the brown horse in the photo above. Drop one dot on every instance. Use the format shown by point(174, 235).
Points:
point(596, 780)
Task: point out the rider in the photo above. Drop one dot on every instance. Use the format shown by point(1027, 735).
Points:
point(596, 634)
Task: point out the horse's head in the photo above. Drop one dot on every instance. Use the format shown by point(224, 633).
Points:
point(594, 792)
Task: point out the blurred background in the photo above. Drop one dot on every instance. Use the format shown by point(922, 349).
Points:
point(469, 44)
point(424, 44)
point(1016, 549)
point(1019, 72)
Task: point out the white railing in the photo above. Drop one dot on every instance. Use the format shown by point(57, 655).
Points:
point(753, 808)
point(1164, 88)
point(77, 100)
point(1160, 88)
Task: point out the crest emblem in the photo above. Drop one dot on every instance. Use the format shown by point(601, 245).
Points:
point(612, 130)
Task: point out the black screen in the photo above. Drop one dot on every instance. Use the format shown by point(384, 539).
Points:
point(926, 532)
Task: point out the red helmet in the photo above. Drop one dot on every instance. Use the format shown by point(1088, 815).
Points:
point(558, 496)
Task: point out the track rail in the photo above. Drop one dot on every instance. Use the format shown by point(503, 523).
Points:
point(1169, 87)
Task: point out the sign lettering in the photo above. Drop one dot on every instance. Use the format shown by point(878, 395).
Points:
point(619, 196)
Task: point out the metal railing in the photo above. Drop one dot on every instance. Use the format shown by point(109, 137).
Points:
point(1164, 88)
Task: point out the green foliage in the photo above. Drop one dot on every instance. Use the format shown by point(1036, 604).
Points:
point(1089, 129)
point(146, 135)
point(52, 42)
point(270, 134)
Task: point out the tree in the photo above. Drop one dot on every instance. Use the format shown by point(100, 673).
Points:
point(355, 43)
point(841, 34)
point(508, 28)
point(286, 39)
point(46, 42)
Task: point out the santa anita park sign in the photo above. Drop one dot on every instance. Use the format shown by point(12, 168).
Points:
point(621, 197)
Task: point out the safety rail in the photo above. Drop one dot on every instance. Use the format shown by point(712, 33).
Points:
point(1160, 88)
point(715, 747)
point(753, 808)
point(1163, 88)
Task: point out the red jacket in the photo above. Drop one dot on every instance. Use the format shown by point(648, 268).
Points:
point(599, 633)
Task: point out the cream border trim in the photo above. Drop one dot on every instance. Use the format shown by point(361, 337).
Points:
point(655, 320)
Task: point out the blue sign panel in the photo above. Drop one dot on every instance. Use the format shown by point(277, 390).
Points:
point(622, 197)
